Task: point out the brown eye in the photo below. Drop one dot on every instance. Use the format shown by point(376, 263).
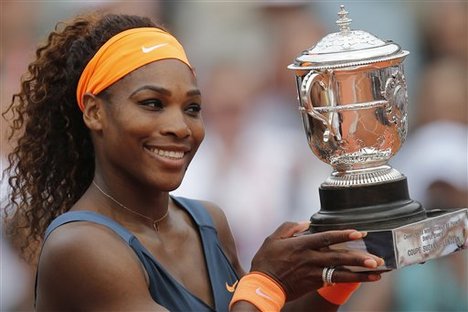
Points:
point(153, 104)
point(194, 109)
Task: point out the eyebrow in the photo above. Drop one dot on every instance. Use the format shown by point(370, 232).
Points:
point(163, 91)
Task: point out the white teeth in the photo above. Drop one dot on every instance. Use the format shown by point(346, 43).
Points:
point(167, 154)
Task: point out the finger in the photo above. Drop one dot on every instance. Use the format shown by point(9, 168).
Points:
point(348, 258)
point(302, 228)
point(325, 239)
point(371, 261)
point(356, 250)
point(288, 229)
point(345, 276)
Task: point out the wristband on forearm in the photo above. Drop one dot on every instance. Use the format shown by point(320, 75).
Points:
point(260, 290)
point(338, 293)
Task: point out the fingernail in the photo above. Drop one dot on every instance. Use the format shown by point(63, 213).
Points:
point(370, 263)
point(380, 261)
point(364, 234)
point(374, 277)
point(355, 235)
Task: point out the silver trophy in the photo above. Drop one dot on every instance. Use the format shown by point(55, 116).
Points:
point(353, 100)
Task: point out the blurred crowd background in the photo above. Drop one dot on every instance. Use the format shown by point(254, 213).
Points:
point(255, 162)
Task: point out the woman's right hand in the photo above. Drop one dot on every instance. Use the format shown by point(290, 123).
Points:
point(297, 262)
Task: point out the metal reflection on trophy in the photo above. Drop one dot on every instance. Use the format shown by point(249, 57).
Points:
point(353, 100)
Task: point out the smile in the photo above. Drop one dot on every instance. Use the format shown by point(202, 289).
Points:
point(166, 154)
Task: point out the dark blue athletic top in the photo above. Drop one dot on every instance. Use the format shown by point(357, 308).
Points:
point(164, 289)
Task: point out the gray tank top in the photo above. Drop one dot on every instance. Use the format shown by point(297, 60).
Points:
point(164, 289)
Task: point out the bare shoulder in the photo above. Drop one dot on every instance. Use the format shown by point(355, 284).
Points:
point(224, 234)
point(87, 267)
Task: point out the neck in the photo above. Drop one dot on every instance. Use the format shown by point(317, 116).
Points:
point(124, 200)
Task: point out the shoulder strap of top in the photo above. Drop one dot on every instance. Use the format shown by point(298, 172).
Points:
point(73, 216)
point(220, 270)
point(196, 209)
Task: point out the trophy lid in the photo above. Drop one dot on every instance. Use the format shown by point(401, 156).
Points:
point(347, 48)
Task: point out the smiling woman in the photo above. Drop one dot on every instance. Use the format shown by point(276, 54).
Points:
point(107, 121)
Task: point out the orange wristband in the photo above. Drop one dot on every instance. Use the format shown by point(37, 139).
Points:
point(260, 290)
point(338, 293)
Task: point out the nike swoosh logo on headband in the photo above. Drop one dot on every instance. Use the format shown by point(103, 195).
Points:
point(149, 49)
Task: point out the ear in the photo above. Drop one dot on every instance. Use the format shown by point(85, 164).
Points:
point(93, 113)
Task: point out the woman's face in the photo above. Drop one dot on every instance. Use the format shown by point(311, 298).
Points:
point(152, 125)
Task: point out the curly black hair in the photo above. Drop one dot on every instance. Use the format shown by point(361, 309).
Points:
point(52, 163)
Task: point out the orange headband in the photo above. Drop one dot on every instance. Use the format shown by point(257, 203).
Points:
point(124, 53)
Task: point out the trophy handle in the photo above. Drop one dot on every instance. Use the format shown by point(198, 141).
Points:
point(305, 89)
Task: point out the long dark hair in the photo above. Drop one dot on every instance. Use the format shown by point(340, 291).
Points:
point(52, 163)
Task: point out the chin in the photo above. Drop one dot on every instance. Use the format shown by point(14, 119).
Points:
point(169, 186)
point(164, 181)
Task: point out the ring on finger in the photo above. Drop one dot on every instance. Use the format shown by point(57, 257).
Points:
point(324, 275)
point(329, 276)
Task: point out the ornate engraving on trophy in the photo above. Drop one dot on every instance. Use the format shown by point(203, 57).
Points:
point(363, 155)
point(397, 101)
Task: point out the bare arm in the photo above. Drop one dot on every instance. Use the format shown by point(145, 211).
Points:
point(227, 241)
point(86, 267)
point(225, 235)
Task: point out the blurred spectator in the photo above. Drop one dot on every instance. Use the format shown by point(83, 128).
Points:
point(15, 280)
point(290, 28)
point(444, 26)
point(18, 22)
point(442, 92)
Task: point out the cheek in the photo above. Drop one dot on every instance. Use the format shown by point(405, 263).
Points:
point(124, 134)
point(198, 131)
point(131, 122)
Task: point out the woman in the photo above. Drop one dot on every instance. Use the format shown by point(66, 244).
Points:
point(111, 116)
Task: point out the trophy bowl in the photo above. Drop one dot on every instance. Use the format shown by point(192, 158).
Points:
point(353, 101)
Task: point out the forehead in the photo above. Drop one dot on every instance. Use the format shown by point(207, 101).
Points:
point(170, 74)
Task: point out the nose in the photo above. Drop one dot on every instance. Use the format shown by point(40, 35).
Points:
point(176, 125)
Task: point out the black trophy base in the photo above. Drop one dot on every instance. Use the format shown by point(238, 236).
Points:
point(371, 207)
